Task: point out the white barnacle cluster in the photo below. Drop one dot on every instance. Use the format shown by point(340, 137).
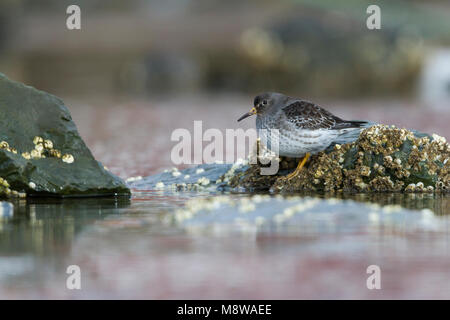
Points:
point(38, 151)
point(406, 135)
point(418, 187)
point(231, 172)
point(133, 179)
point(246, 205)
point(243, 206)
point(439, 139)
point(427, 214)
point(373, 131)
point(201, 184)
point(258, 198)
point(4, 183)
point(442, 185)
point(379, 169)
point(340, 153)
point(392, 208)
point(173, 171)
point(5, 146)
point(441, 142)
point(203, 181)
point(373, 217)
point(261, 154)
point(176, 173)
point(159, 185)
point(289, 212)
point(379, 135)
point(192, 207)
point(68, 158)
point(365, 171)
point(387, 160)
point(6, 190)
point(44, 148)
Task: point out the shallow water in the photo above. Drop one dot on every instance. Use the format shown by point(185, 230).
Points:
point(126, 249)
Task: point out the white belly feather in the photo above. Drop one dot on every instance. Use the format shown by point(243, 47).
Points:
point(295, 142)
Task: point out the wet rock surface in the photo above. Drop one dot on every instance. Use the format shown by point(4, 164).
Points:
point(383, 159)
point(41, 152)
point(200, 178)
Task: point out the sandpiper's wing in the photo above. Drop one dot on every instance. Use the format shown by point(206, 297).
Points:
point(308, 115)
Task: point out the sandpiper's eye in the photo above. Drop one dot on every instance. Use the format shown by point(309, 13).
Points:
point(264, 102)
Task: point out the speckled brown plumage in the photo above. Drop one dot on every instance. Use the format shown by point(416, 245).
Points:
point(308, 115)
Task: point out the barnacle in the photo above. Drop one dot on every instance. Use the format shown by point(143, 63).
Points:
point(26, 155)
point(175, 173)
point(68, 158)
point(55, 153)
point(42, 149)
point(35, 154)
point(4, 145)
point(5, 190)
point(37, 140)
point(48, 144)
point(39, 147)
point(159, 185)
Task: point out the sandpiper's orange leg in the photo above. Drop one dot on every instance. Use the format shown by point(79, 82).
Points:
point(299, 167)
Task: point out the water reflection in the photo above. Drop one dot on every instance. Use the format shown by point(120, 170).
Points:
point(45, 226)
point(438, 203)
point(153, 260)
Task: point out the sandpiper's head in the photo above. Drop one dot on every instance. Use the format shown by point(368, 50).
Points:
point(263, 103)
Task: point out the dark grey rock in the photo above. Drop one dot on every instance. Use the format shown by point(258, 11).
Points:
point(26, 113)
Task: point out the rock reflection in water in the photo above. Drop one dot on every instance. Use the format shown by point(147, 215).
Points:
point(41, 226)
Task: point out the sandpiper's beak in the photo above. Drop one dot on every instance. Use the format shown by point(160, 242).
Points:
point(248, 114)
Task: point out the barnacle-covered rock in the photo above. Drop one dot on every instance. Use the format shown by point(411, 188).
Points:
point(383, 159)
point(32, 125)
point(205, 177)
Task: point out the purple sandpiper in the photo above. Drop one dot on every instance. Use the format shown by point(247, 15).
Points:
point(304, 128)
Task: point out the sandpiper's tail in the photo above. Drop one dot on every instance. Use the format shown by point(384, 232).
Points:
point(356, 124)
point(342, 124)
